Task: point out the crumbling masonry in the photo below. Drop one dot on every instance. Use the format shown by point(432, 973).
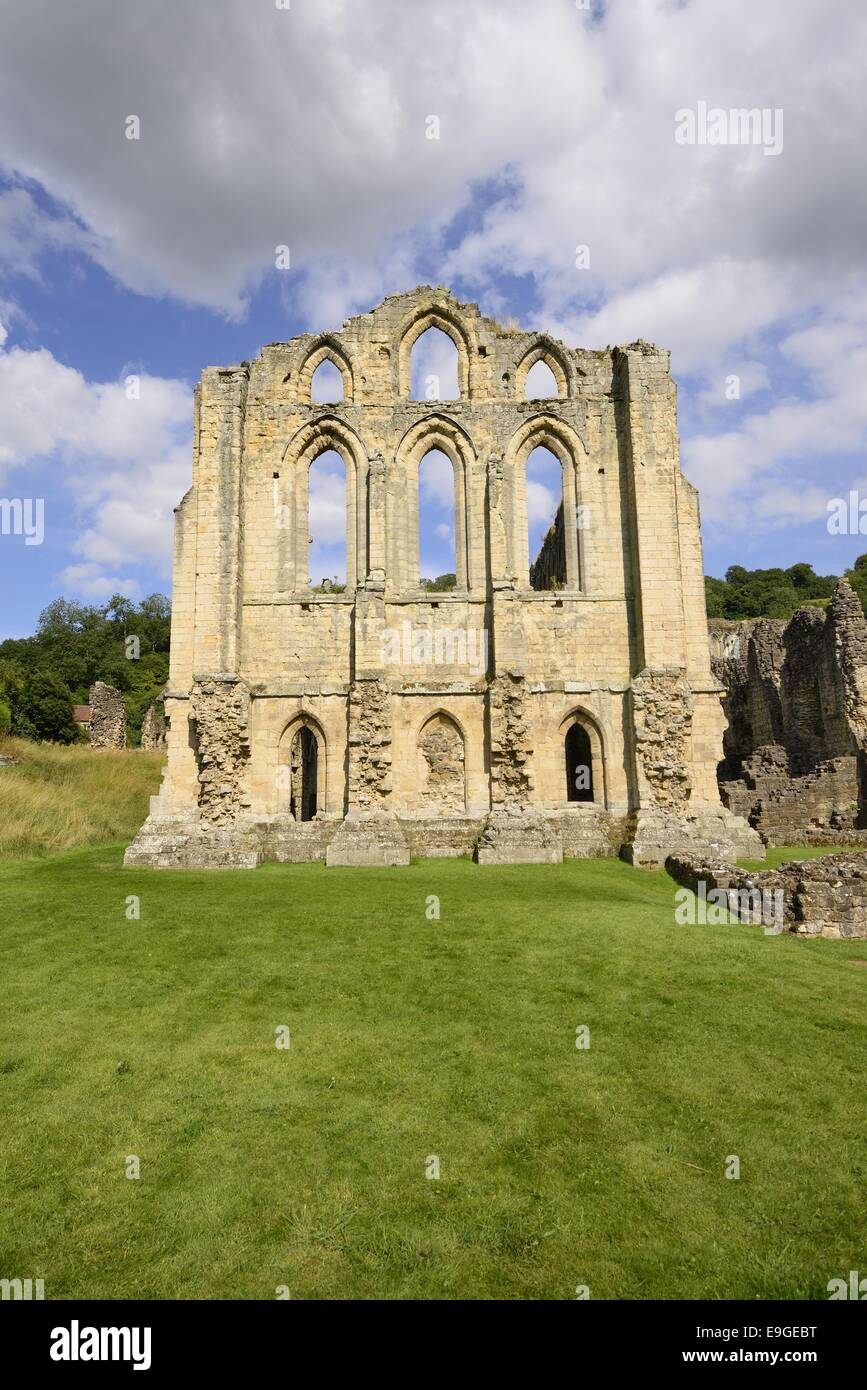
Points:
point(300, 729)
point(796, 702)
point(107, 717)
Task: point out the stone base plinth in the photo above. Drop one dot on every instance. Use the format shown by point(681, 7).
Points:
point(368, 838)
point(653, 834)
point(587, 831)
point(186, 844)
point(518, 838)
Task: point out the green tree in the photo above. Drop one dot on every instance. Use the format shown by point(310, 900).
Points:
point(770, 593)
point(45, 708)
point(857, 577)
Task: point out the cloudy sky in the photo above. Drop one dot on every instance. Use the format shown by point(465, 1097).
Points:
point(308, 126)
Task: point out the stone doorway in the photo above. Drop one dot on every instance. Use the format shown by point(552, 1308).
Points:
point(579, 764)
point(304, 764)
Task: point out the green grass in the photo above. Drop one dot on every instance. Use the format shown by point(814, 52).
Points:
point(784, 854)
point(57, 798)
point(410, 1038)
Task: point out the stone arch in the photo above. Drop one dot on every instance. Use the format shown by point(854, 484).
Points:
point(433, 432)
point(291, 499)
point(544, 350)
point(594, 744)
point(302, 771)
point(442, 764)
point(448, 322)
point(325, 350)
point(562, 441)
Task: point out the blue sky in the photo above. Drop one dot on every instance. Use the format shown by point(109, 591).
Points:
point(126, 266)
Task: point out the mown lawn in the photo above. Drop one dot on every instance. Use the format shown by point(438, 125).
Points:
point(413, 1038)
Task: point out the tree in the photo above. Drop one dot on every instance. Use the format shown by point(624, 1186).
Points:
point(770, 593)
point(121, 610)
point(45, 709)
point(857, 577)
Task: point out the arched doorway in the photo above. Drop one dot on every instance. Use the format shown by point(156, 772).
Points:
point(579, 764)
point(304, 774)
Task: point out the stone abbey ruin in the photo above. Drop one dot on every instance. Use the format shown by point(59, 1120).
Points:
point(547, 706)
point(796, 705)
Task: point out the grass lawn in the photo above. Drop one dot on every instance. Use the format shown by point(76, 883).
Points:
point(775, 855)
point(412, 1038)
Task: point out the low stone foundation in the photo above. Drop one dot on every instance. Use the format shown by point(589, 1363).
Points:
point(820, 897)
point(655, 834)
point(184, 844)
point(287, 841)
point(370, 838)
point(588, 832)
point(441, 837)
point(518, 838)
point(377, 838)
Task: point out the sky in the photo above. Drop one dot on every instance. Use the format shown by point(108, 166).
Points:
point(557, 163)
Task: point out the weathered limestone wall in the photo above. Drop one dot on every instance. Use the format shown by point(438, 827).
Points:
point(452, 707)
point(107, 717)
point(796, 702)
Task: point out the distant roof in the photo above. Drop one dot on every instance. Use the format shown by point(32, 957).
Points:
point(82, 714)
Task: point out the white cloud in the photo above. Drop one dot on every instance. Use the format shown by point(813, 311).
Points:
point(307, 127)
point(123, 464)
point(765, 472)
point(436, 480)
point(89, 581)
point(328, 500)
point(542, 504)
point(434, 367)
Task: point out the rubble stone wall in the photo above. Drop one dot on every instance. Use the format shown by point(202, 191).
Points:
point(107, 717)
point(826, 896)
point(153, 728)
point(796, 703)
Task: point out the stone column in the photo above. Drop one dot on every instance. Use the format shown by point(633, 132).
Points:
point(376, 521)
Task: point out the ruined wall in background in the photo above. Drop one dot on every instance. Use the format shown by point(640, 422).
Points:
point(153, 728)
point(796, 704)
point(548, 570)
point(107, 717)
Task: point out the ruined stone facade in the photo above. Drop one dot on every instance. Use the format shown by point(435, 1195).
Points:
point(439, 723)
point(107, 717)
point(796, 703)
point(153, 728)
